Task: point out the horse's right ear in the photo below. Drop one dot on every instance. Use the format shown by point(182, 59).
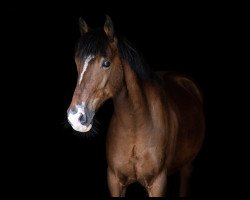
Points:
point(83, 26)
point(109, 28)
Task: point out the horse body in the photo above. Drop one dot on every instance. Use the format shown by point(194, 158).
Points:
point(157, 126)
point(143, 148)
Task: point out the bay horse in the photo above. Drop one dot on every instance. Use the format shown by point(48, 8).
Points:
point(157, 126)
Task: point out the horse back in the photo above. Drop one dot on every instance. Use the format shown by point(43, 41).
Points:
point(184, 102)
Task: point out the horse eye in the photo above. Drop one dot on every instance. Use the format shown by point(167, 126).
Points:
point(106, 63)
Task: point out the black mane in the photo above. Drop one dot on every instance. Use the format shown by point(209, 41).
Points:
point(96, 42)
point(92, 43)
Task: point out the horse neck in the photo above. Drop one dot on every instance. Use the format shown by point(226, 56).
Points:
point(130, 104)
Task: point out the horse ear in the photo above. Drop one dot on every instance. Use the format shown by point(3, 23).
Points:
point(109, 28)
point(83, 26)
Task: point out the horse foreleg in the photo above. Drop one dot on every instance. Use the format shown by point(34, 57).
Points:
point(185, 174)
point(116, 188)
point(158, 187)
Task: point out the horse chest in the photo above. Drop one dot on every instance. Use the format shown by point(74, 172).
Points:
point(136, 161)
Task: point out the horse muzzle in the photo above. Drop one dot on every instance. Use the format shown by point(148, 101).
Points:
point(80, 117)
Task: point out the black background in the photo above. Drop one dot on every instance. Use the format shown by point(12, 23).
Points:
point(43, 156)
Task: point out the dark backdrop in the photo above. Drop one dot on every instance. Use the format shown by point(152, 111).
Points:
point(45, 157)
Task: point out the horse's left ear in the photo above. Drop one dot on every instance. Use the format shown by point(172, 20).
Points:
point(109, 28)
point(83, 26)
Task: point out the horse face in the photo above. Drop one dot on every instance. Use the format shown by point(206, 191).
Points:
point(99, 78)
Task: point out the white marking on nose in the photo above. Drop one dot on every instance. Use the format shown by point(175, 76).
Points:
point(74, 119)
point(86, 63)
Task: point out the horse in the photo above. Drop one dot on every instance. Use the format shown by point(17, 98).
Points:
point(157, 126)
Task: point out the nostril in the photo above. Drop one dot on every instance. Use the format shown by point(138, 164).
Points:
point(82, 119)
point(73, 110)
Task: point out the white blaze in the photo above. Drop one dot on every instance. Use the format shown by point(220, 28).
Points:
point(86, 63)
point(74, 119)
